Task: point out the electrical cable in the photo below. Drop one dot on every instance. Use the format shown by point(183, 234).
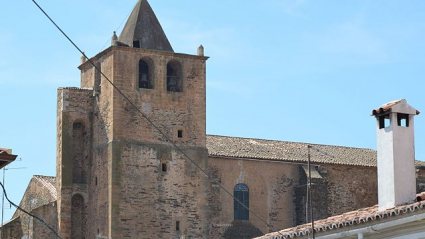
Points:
point(211, 179)
point(28, 213)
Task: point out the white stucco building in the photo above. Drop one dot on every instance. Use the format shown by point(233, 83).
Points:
point(400, 213)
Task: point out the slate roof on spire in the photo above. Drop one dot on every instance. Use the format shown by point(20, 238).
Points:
point(144, 27)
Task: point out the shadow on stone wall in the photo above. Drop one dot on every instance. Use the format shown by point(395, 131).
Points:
point(12, 230)
point(242, 230)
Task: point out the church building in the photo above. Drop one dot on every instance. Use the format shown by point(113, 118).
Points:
point(134, 160)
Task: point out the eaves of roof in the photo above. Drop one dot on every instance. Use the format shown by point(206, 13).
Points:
point(6, 158)
point(353, 218)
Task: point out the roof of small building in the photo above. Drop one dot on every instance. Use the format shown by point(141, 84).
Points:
point(360, 216)
point(4, 151)
point(6, 157)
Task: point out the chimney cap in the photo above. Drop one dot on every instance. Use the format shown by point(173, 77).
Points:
point(398, 106)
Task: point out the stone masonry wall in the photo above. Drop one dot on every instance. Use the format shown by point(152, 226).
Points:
point(318, 193)
point(420, 179)
point(277, 192)
point(75, 106)
point(49, 215)
point(88, 75)
point(349, 188)
point(31, 227)
point(98, 206)
point(179, 195)
point(271, 189)
point(115, 122)
point(170, 111)
point(13, 229)
point(97, 187)
point(340, 189)
point(148, 202)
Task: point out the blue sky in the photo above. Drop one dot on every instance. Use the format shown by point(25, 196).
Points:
point(294, 70)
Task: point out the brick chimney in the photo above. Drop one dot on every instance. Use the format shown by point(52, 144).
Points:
point(396, 153)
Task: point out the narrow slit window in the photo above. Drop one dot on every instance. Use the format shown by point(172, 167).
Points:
point(403, 120)
point(98, 78)
point(164, 167)
point(177, 226)
point(180, 134)
point(96, 181)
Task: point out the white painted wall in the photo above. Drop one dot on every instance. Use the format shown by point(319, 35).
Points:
point(404, 163)
point(419, 235)
point(396, 160)
point(386, 189)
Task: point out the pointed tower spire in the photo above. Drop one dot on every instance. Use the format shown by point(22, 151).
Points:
point(143, 29)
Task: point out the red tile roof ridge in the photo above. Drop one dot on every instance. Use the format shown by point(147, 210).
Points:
point(360, 216)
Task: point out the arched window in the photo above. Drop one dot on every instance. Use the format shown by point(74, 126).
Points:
point(241, 192)
point(78, 217)
point(174, 76)
point(145, 78)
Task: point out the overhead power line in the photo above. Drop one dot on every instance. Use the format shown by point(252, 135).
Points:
point(213, 180)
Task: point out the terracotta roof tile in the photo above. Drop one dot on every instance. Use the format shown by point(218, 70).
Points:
point(360, 216)
point(247, 148)
point(223, 146)
point(388, 106)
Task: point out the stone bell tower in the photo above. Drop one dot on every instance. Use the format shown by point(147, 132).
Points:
point(118, 176)
point(396, 153)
